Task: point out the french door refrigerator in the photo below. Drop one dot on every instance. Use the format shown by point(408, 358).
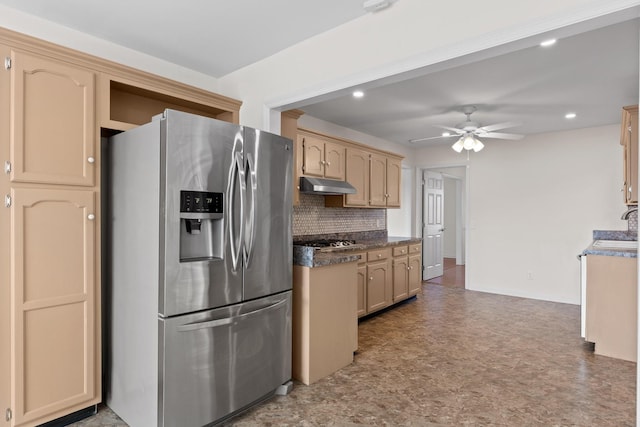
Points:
point(201, 270)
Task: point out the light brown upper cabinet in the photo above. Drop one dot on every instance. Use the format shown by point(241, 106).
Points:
point(52, 121)
point(394, 182)
point(129, 101)
point(629, 140)
point(357, 174)
point(322, 158)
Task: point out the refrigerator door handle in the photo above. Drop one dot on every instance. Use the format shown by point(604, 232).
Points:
point(229, 320)
point(253, 182)
point(236, 176)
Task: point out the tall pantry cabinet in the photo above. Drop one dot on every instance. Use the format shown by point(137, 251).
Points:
point(49, 218)
point(56, 107)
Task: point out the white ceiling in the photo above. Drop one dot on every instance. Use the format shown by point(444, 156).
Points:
point(593, 74)
point(215, 37)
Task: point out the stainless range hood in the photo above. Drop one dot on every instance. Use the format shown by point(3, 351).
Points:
point(325, 186)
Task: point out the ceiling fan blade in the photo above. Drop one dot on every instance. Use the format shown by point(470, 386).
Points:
point(501, 135)
point(431, 137)
point(498, 126)
point(456, 130)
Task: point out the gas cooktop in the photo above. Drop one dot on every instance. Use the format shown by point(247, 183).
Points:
point(330, 244)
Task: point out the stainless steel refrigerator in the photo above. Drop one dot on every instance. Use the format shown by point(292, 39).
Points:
point(201, 270)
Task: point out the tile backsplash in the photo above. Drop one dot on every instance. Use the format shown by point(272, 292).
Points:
point(311, 217)
point(633, 221)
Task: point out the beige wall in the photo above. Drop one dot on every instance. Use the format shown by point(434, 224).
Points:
point(532, 205)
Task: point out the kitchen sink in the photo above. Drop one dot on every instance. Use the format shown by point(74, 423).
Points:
point(616, 244)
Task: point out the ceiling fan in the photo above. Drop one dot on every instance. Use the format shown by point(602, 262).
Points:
point(469, 131)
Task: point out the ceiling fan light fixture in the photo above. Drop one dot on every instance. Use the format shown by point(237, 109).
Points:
point(458, 146)
point(478, 146)
point(468, 141)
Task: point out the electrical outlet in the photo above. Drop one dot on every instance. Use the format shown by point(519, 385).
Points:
point(529, 275)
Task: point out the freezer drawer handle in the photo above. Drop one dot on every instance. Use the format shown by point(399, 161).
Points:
point(228, 320)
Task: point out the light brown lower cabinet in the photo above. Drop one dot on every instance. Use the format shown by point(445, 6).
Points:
point(379, 284)
point(325, 323)
point(55, 349)
point(612, 308)
point(387, 276)
point(407, 269)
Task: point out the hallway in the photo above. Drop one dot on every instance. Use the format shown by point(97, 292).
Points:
point(453, 274)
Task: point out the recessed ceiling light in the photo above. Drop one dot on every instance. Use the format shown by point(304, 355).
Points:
point(570, 116)
point(358, 94)
point(548, 43)
point(446, 134)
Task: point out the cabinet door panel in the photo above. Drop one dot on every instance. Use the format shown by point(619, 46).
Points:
point(362, 290)
point(334, 157)
point(313, 156)
point(53, 282)
point(415, 274)
point(357, 174)
point(394, 177)
point(53, 121)
point(400, 278)
point(378, 180)
point(378, 283)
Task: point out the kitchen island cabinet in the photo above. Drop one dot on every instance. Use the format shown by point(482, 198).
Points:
point(611, 312)
point(325, 328)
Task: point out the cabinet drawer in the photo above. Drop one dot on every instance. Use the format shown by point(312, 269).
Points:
point(363, 257)
point(378, 254)
point(415, 249)
point(400, 250)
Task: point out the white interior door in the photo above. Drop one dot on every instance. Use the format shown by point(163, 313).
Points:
point(433, 225)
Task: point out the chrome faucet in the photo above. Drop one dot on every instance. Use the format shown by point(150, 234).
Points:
point(629, 211)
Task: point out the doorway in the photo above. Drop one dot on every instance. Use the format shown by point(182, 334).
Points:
point(443, 193)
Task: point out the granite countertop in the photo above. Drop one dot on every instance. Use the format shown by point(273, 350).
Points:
point(308, 256)
point(612, 235)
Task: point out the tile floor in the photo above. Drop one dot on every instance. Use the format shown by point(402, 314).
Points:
point(454, 357)
point(453, 275)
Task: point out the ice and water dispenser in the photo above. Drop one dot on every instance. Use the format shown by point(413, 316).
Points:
point(201, 225)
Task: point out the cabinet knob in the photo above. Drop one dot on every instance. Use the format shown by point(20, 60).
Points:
point(91, 160)
point(371, 278)
point(328, 163)
point(403, 251)
point(379, 255)
point(408, 268)
point(91, 217)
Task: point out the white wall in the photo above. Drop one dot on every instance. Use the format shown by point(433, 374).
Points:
point(532, 207)
point(449, 241)
point(399, 221)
